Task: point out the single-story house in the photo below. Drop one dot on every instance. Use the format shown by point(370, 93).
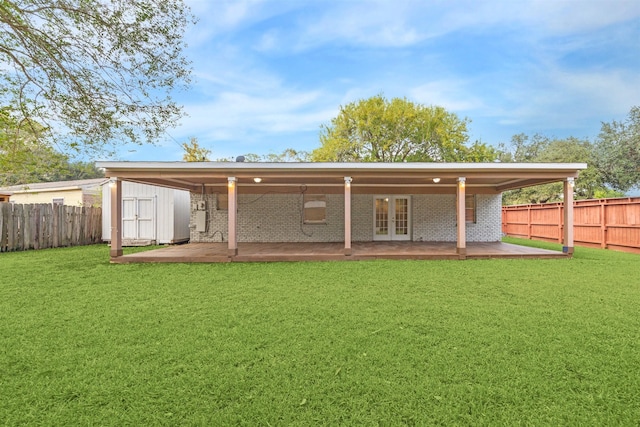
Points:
point(150, 214)
point(255, 211)
point(83, 192)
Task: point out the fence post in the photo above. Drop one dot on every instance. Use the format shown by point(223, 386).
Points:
point(19, 227)
point(4, 216)
point(529, 222)
point(49, 224)
point(603, 223)
point(10, 231)
point(56, 226)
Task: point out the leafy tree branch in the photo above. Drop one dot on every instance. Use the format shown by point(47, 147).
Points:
point(95, 72)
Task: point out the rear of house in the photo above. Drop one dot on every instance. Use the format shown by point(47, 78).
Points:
point(318, 217)
point(345, 203)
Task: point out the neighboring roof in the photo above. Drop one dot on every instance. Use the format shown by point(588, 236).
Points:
point(367, 177)
point(41, 187)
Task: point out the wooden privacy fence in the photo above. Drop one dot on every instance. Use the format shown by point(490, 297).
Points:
point(24, 227)
point(603, 223)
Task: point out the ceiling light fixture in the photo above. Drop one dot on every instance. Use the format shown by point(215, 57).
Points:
point(436, 180)
point(257, 180)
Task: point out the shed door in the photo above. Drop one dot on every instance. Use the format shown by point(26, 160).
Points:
point(391, 218)
point(138, 218)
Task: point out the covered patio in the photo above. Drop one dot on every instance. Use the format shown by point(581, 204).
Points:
point(270, 252)
point(344, 182)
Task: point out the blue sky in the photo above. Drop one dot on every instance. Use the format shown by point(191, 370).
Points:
point(268, 73)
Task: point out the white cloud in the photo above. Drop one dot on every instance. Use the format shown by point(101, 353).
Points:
point(571, 16)
point(228, 16)
point(269, 41)
point(407, 23)
point(451, 94)
point(559, 98)
point(379, 24)
point(234, 114)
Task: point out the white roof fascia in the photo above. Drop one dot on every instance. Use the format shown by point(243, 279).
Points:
point(294, 166)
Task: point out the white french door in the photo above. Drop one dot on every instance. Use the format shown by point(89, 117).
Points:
point(138, 218)
point(392, 218)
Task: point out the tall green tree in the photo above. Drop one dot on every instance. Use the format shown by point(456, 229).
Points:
point(618, 151)
point(541, 149)
point(397, 130)
point(95, 71)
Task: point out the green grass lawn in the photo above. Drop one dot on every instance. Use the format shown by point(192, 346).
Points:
point(486, 342)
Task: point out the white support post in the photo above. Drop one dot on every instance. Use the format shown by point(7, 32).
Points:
point(461, 245)
point(115, 187)
point(233, 215)
point(347, 215)
point(567, 242)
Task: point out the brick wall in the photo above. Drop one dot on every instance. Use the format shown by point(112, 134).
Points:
point(434, 218)
point(278, 218)
point(488, 227)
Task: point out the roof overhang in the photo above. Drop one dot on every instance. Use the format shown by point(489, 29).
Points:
point(47, 187)
point(367, 178)
point(47, 190)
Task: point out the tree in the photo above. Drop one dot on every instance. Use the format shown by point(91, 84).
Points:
point(379, 130)
point(288, 155)
point(96, 71)
point(618, 152)
point(77, 170)
point(541, 149)
point(24, 157)
point(522, 148)
point(193, 152)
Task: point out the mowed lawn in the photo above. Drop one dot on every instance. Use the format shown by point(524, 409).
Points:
point(486, 342)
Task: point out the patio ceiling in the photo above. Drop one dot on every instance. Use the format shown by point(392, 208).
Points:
point(368, 178)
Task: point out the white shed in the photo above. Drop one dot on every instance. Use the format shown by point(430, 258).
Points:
point(150, 214)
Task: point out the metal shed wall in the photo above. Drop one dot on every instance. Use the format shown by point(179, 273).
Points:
point(171, 210)
point(181, 215)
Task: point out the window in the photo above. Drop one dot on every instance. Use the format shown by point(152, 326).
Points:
point(58, 202)
point(470, 208)
point(315, 209)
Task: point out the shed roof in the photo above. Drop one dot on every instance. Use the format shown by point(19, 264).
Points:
point(39, 187)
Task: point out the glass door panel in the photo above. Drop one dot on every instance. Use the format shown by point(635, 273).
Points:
point(391, 218)
point(401, 216)
point(381, 218)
